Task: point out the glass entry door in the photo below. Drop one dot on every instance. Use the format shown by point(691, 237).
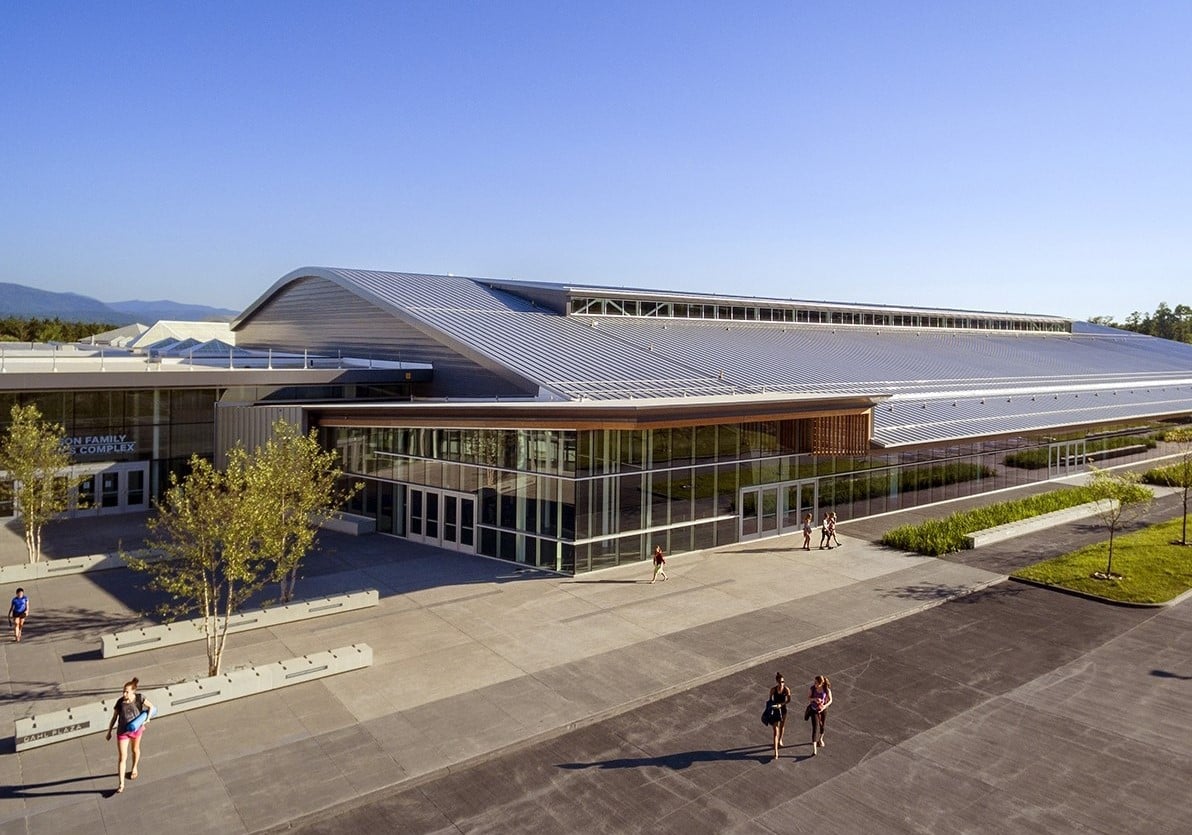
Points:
point(800, 501)
point(442, 519)
point(776, 509)
point(760, 511)
point(1066, 458)
point(111, 488)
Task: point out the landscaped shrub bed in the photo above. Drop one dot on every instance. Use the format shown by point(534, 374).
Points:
point(1036, 459)
point(944, 536)
point(1163, 476)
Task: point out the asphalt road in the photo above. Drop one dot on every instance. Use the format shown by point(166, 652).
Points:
point(998, 712)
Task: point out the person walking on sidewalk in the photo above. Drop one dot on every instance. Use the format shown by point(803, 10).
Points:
point(825, 537)
point(818, 700)
point(780, 696)
point(659, 564)
point(129, 707)
point(807, 532)
point(832, 529)
point(18, 610)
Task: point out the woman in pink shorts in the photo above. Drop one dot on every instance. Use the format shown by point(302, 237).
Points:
point(130, 705)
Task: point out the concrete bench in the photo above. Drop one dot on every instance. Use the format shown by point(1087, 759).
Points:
point(182, 632)
point(43, 568)
point(1010, 530)
point(72, 722)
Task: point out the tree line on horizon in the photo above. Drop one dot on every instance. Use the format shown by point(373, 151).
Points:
point(35, 329)
point(1165, 322)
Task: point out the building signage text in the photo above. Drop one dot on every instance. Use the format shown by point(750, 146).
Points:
point(101, 444)
point(59, 731)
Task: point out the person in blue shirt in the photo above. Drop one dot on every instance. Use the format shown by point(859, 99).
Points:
point(17, 612)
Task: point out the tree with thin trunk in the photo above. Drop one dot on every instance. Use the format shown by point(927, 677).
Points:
point(35, 461)
point(1180, 473)
point(225, 535)
point(1121, 500)
point(296, 484)
point(205, 528)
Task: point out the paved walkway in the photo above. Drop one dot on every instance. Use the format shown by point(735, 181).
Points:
point(997, 712)
point(472, 658)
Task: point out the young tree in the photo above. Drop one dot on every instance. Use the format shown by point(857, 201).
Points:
point(296, 484)
point(35, 459)
point(1181, 471)
point(205, 527)
point(226, 534)
point(1122, 499)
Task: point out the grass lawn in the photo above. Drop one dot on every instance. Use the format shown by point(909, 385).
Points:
point(1153, 569)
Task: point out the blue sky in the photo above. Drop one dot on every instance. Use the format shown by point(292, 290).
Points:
point(1024, 156)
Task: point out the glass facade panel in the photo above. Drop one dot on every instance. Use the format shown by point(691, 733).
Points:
point(579, 500)
point(109, 489)
point(705, 445)
point(681, 444)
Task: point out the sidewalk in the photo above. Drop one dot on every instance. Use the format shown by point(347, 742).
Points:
point(472, 657)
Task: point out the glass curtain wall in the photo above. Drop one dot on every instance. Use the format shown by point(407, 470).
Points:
point(164, 426)
point(581, 500)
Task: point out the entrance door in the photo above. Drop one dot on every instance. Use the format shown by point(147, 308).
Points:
point(776, 508)
point(1066, 458)
point(112, 488)
point(761, 513)
point(442, 519)
point(801, 501)
point(459, 522)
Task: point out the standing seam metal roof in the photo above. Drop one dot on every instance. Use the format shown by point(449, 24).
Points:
point(935, 378)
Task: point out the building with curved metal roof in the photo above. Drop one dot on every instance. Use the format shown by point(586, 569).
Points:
point(574, 426)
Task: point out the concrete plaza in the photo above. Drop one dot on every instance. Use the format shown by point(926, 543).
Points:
point(478, 661)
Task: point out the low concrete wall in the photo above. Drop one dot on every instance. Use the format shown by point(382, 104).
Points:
point(44, 568)
point(349, 523)
point(1010, 530)
point(56, 726)
point(171, 634)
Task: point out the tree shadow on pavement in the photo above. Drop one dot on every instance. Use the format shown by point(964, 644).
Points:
point(943, 591)
point(83, 624)
point(29, 691)
point(33, 691)
point(685, 759)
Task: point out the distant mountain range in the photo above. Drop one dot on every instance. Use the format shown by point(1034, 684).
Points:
point(29, 302)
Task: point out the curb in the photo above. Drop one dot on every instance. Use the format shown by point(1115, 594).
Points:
point(1126, 604)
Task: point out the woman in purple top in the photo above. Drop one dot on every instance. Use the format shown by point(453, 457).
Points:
point(818, 701)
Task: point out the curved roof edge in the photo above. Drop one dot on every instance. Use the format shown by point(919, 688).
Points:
point(342, 278)
point(329, 273)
